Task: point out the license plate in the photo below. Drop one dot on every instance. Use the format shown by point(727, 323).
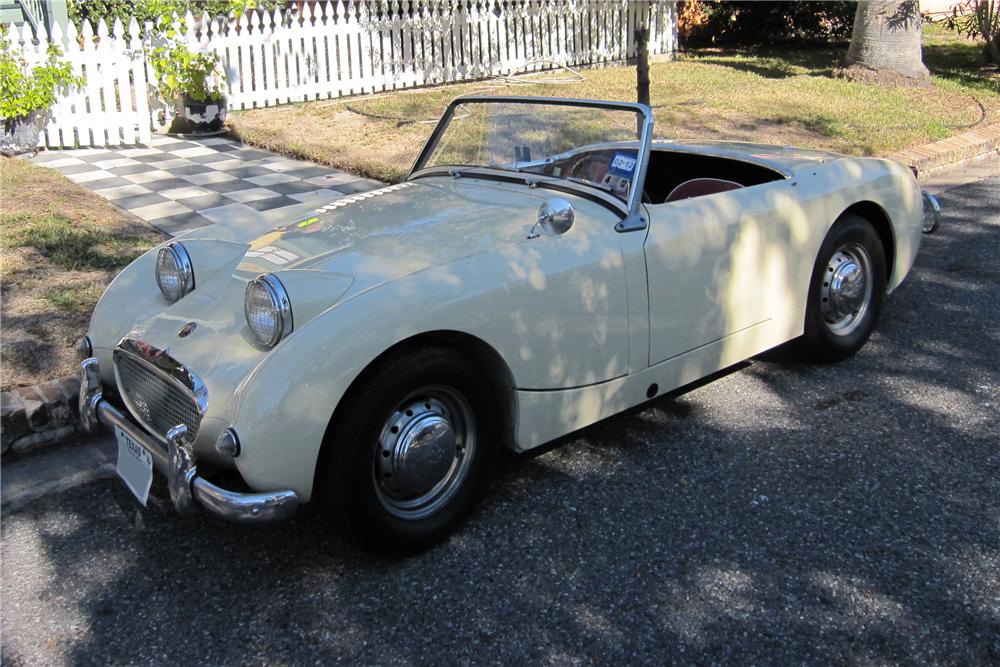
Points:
point(135, 465)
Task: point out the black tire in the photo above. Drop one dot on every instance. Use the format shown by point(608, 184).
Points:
point(354, 485)
point(832, 333)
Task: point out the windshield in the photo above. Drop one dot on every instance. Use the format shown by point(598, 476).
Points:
point(593, 145)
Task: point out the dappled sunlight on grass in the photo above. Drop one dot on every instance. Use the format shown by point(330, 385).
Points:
point(60, 246)
point(956, 63)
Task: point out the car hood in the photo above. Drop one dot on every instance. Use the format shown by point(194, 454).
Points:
point(388, 233)
point(322, 258)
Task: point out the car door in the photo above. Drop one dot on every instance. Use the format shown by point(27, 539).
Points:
point(718, 264)
point(559, 312)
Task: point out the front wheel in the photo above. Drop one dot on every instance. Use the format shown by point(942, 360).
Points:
point(846, 292)
point(412, 450)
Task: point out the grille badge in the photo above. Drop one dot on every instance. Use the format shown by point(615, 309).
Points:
point(187, 329)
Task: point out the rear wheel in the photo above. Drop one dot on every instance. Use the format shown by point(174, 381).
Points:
point(412, 450)
point(846, 291)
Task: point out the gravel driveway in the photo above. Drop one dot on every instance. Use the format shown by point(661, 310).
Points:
point(787, 513)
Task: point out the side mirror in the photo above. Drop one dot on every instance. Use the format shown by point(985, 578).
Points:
point(555, 216)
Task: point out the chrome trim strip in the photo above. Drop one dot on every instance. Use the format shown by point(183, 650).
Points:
point(175, 459)
point(639, 182)
point(168, 368)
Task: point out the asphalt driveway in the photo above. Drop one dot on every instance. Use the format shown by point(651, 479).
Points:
point(787, 513)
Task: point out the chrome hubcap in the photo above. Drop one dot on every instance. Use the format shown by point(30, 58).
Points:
point(847, 289)
point(424, 452)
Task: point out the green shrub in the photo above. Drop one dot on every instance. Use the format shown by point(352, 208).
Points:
point(153, 10)
point(178, 71)
point(23, 88)
point(181, 72)
point(979, 19)
point(768, 22)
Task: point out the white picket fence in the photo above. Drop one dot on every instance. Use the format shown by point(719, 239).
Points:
point(113, 105)
point(337, 48)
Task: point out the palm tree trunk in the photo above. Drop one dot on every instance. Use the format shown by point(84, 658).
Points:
point(885, 44)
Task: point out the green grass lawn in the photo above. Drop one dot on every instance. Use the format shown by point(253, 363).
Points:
point(779, 96)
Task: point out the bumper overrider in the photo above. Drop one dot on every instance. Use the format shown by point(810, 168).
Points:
point(176, 460)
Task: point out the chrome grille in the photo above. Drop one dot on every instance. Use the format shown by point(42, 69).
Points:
point(154, 399)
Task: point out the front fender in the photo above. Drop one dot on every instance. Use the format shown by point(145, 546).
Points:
point(285, 405)
point(554, 309)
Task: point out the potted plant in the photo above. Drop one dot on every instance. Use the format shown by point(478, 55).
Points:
point(26, 94)
point(191, 85)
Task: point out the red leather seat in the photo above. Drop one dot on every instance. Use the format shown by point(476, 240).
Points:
point(699, 187)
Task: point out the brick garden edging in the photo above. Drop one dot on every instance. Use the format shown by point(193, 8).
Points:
point(952, 153)
point(39, 415)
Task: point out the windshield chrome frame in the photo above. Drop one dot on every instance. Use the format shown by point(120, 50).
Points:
point(642, 157)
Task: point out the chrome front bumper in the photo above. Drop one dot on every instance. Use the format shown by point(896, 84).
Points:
point(932, 212)
point(176, 461)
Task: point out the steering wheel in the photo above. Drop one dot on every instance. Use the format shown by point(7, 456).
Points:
point(585, 167)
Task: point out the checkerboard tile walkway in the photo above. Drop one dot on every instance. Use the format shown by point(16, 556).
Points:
point(179, 184)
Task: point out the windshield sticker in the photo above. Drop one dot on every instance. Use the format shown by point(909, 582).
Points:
point(619, 175)
point(622, 165)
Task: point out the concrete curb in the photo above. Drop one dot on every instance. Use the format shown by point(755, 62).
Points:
point(40, 415)
point(952, 153)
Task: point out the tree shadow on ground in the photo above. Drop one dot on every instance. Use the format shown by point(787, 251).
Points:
point(962, 62)
point(787, 513)
point(772, 63)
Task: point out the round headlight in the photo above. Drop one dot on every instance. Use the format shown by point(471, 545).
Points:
point(268, 310)
point(174, 273)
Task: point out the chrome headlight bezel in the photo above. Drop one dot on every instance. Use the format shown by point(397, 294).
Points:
point(280, 309)
point(177, 255)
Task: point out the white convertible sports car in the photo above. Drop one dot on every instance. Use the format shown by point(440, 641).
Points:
point(545, 265)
